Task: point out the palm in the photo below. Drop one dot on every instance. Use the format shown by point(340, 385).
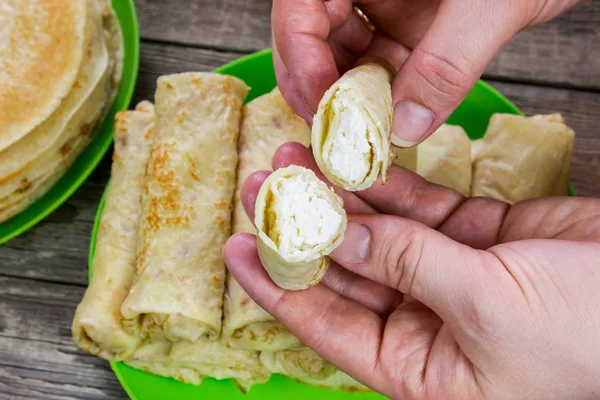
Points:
point(422, 353)
point(419, 351)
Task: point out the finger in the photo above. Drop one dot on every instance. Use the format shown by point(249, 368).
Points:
point(409, 195)
point(288, 88)
point(475, 222)
point(300, 31)
point(342, 331)
point(406, 21)
point(349, 41)
point(570, 218)
point(372, 295)
point(250, 189)
point(389, 49)
point(296, 154)
point(407, 256)
point(445, 65)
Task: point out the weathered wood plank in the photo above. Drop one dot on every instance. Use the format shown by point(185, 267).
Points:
point(56, 250)
point(38, 358)
point(564, 51)
point(242, 25)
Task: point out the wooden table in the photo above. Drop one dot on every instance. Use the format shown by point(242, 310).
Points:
point(43, 273)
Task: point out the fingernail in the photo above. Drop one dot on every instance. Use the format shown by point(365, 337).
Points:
point(411, 123)
point(355, 246)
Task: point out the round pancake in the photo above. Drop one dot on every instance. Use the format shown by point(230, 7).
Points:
point(24, 189)
point(23, 153)
point(41, 50)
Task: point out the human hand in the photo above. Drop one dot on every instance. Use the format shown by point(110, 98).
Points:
point(439, 296)
point(439, 47)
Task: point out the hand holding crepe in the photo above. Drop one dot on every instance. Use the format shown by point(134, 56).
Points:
point(179, 284)
point(267, 123)
point(351, 130)
point(523, 158)
point(299, 221)
point(97, 323)
point(445, 158)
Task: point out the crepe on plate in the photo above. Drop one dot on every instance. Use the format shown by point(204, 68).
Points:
point(304, 365)
point(32, 164)
point(267, 123)
point(523, 158)
point(351, 130)
point(299, 221)
point(445, 158)
point(178, 287)
point(191, 362)
point(97, 325)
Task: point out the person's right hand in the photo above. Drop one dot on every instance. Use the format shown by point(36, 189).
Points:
point(439, 47)
point(435, 296)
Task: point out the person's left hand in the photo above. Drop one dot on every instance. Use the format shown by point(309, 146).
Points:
point(450, 297)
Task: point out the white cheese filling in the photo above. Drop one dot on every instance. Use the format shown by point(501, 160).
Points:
point(304, 215)
point(347, 146)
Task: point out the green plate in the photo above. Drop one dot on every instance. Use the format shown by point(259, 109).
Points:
point(92, 155)
point(257, 70)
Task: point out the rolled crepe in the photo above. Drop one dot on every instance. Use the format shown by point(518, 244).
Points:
point(523, 158)
point(177, 292)
point(445, 158)
point(352, 127)
point(191, 362)
point(299, 221)
point(304, 365)
point(406, 157)
point(97, 325)
point(268, 122)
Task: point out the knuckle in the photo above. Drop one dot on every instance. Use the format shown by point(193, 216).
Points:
point(402, 255)
point(448, 79)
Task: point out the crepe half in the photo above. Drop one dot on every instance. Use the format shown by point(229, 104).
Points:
point(351, 130)
point(178, 287)
point(445, 158)
point(32, 165)
point(268, 122)
point(300, 221)
point(192, 362)
point(523, 158)
point(97, 325)
point(304, 365)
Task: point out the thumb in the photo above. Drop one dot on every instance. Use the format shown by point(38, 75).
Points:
point(445, 275)
point(446, 64)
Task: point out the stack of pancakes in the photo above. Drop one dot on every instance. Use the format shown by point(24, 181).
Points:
point(60, 67)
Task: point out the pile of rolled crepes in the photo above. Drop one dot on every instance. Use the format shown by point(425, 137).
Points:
point(160, 298)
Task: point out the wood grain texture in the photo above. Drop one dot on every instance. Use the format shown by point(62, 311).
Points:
point(561, 52)
point(239, 25)
point(38, 358)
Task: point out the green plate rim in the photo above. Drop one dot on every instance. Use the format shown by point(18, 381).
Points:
point(89, 159)
point(115, 365)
